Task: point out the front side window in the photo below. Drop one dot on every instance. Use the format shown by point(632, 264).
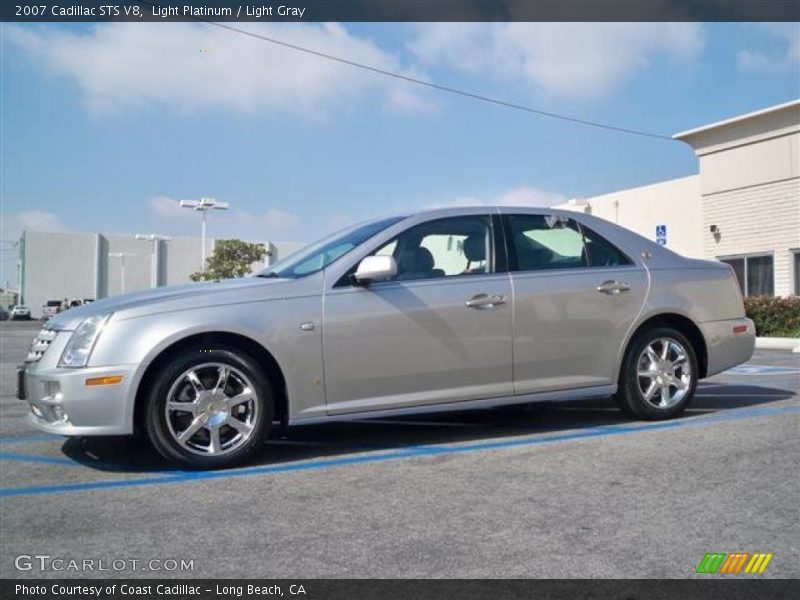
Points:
point(442, 248)
point(544, 242)
point(319, 255)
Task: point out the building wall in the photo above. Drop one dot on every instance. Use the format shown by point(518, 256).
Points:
point(57, 266)
point(674, 203)
point(750, 188)
point(763, 219)
point(77, 265)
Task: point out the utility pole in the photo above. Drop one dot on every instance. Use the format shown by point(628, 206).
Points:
point(121, 256)
point(156, 239)
point(204, 205)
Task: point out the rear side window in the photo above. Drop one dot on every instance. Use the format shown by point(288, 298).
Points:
point(602, 253)
point(544, 242)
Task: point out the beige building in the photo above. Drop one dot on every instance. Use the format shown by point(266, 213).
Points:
point(743, 207)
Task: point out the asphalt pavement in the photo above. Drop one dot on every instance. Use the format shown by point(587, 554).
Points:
point(550, 490)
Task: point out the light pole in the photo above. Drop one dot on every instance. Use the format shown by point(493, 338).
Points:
point(204, 205)
point(121, 256)
point(156, 239)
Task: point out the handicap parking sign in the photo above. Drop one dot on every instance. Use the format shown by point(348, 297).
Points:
point(661, 235)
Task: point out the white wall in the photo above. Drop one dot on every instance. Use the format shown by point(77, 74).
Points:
point(77, 265)
point(57, 266)
point(675, 203)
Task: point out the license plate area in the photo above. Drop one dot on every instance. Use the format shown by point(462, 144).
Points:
point(22, 391)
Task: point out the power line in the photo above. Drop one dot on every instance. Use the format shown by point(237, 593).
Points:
point(430, 84)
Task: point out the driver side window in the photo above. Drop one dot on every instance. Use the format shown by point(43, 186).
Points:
point(442, 248)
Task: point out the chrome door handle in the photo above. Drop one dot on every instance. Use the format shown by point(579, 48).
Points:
point(485, 301)
point(612, 288)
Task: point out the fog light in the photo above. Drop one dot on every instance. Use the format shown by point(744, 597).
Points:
point(61, 414)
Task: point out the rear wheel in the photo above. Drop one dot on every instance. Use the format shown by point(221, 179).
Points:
point(209, 408)
point(659, 375)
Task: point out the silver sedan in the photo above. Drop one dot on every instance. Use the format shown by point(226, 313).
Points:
point(442, 310)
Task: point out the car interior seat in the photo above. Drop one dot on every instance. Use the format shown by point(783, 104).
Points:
point(417, 263)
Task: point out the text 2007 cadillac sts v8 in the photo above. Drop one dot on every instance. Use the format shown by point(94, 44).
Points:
point(456, 308)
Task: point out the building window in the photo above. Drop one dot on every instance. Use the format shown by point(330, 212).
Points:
point(754, 274)
point(797, 272)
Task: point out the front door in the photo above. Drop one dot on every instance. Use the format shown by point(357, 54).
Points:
point(438, 332)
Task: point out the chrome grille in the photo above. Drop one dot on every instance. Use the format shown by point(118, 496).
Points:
point(40, 345)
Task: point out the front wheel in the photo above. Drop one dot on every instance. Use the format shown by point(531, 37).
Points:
point(658, 376)
point(209, 408)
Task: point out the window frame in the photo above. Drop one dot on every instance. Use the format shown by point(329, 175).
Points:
point(511, 250)
point(498, 259)
point(745, 257)
point(795, 267)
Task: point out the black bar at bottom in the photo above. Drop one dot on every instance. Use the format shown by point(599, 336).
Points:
point(722, 587)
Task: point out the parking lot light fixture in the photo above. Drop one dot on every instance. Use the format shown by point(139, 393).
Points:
point(204, 205)
point(156, 240)
point(121, 256)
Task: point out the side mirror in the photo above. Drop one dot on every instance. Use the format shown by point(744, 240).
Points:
point(375, 268)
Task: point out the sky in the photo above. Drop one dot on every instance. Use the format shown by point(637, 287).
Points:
point(106, 127)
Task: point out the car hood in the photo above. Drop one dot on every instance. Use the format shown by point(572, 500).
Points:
point(179, 297)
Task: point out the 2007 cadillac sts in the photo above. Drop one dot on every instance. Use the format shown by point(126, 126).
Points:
point(447, 309)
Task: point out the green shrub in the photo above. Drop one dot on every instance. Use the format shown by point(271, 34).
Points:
point(774, 317)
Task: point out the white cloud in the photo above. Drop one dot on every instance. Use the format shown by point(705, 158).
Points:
point(165, 206)
point(786, 57)
point(12, 225)
point(35, 220)
point(520, 196)
point(560, 59)
point(274, 221)
point(196, 67)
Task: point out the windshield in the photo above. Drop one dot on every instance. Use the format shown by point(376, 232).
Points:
point(319, 255)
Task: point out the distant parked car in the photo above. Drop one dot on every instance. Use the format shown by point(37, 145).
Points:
point(50, 309)
point(20, 313)
point(458, 308)
point(3, 314)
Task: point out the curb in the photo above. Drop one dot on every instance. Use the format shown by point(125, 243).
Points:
point(774, 343)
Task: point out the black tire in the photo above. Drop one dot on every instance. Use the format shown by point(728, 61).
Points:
point(630, 397)
point(160, 431)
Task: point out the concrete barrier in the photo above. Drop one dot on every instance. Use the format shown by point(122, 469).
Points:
point(775, 343)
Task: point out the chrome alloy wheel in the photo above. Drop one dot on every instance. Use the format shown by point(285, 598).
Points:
point(664, 373)
point(211, 409)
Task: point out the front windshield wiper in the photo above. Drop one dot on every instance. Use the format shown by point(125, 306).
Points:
point(266, 275)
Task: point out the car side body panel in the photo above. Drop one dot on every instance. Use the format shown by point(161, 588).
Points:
point(411, 346)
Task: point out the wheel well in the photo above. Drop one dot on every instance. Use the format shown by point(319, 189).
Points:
point(253, 349)
point(686, 327)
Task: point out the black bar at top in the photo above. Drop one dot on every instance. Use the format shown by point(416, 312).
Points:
point(399, 10)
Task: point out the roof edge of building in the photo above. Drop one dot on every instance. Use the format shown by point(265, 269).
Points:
point(737, 119)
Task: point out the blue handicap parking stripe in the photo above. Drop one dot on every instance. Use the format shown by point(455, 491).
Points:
point(36, 458)
point(404, 453)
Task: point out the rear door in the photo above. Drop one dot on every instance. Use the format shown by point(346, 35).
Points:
point(575, 297)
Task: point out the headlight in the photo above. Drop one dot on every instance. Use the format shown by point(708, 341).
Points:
point(80, 345)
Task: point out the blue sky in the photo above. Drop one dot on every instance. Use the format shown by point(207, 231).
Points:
point(106, 127)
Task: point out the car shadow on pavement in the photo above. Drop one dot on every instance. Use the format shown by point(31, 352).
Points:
point(337, 438)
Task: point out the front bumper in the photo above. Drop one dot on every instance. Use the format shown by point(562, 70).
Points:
point(729, 343)
point(61, 402)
